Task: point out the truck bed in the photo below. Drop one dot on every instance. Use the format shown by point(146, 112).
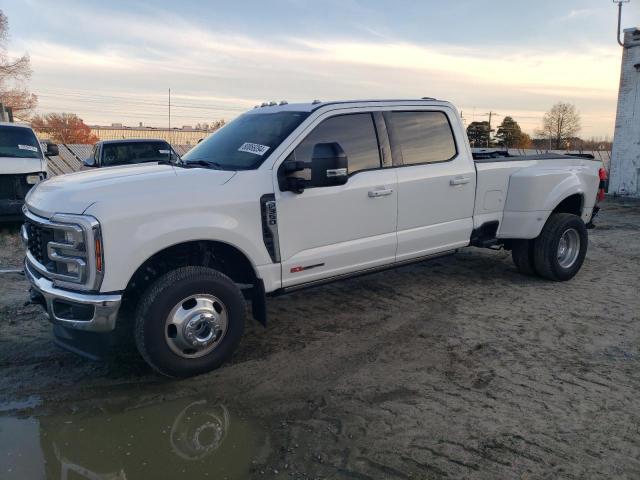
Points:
point(521, 191)
point(486, 158)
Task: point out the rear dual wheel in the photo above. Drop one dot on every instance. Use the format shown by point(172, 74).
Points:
point(557, 253)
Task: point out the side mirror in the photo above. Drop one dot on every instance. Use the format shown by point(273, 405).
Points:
point(52, 150)
point(89, 162)
point(329, 165)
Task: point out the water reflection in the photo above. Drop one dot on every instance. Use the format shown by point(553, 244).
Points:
point(192, 438)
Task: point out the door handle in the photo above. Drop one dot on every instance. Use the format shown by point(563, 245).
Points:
point(459, 181)
point(383, 192)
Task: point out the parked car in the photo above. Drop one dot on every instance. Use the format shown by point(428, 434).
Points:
point(287, 197)
point(22, 165)
point(110, 153)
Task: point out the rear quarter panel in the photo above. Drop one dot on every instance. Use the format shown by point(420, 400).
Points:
point(521, 194)
point(536, 190)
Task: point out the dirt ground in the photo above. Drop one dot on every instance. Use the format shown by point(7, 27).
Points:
point(455, 368)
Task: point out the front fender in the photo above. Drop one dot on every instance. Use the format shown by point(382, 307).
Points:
point(130, 240)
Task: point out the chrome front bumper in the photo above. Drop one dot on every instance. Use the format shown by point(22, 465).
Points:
point(105, 306)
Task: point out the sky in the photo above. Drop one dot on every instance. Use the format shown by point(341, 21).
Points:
point(115, 61)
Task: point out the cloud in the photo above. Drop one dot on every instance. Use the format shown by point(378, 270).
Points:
point(580, 13)
point(137, 57)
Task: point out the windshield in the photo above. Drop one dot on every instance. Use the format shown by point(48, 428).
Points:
point(247, 141)
point(17, 142)
point(135, 152)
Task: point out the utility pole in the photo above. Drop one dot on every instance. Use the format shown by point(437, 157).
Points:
point(169, 108)
point(489, 136)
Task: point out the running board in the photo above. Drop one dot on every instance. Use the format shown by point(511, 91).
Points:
point(359, 273)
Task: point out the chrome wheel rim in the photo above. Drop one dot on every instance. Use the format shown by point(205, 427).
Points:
point(196, 326)
point(568, 248)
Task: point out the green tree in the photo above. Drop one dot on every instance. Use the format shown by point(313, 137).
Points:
point(479, 134)
point(509, 133)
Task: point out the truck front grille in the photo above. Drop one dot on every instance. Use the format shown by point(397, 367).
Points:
point(38, 237)
point(13, 187)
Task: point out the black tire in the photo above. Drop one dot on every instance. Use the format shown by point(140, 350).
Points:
point(545, 249)
point(522, 255)
point(167, 292)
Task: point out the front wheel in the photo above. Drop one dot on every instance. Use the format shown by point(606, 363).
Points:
point(560, 249)
point(189, 321)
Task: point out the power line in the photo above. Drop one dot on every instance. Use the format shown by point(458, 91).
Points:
point(102, 97)
point(106, 102)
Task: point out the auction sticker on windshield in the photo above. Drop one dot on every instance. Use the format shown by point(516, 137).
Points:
point(254, 148)
point(28, 147)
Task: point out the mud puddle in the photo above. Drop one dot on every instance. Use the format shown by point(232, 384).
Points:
point(186, 438)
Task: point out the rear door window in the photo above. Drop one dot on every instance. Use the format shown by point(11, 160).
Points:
point(423, 137)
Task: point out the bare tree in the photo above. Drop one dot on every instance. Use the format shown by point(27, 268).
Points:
point(14, 72)
point(559, 124)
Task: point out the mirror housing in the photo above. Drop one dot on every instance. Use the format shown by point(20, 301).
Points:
point(52, 150)
point(328, 166)
point(89, 162)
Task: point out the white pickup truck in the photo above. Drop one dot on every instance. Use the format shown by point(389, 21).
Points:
point(282, 198)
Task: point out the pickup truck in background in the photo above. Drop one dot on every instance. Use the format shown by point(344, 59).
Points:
point(282, 198)
point(22, 165)
point(110, 153)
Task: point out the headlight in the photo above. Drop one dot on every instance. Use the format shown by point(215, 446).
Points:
point(34, 178)
point(67, 249)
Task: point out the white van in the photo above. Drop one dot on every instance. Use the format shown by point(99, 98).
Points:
point(22, 165)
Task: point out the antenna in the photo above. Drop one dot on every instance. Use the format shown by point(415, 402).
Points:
point(620, 2)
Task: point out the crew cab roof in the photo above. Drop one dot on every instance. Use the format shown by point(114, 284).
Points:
point(316, 105)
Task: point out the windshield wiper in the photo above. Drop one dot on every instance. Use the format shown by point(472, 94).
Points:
point(206, 163)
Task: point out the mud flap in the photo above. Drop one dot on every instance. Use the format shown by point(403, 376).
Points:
point(259, 302)
point(591, 225)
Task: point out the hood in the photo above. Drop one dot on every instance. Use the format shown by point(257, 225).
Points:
point(75, 192)
point(12, 165)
